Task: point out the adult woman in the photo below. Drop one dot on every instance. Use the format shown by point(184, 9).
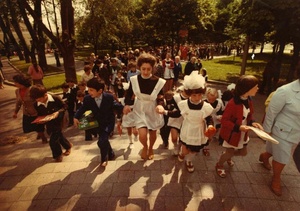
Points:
point(168, 65)
point(36, 73)
point(87, 75)
point(148, 91)
point(282, 121)
point(23, 98)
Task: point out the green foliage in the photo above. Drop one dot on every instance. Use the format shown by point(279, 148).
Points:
point(106, 22)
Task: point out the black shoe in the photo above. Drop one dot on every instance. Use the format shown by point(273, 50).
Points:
point(88, 138)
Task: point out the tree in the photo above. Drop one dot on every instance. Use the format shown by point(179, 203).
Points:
point(107, 21)
point(9, 38)
point(15, 23)
point(67, 44)
point(165, 19)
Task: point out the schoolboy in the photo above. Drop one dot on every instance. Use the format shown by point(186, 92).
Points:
point(103, 106)
point(47, 104)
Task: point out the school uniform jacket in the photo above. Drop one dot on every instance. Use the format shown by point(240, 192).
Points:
point(105, 114)
point(232, 120)
point(56, 124)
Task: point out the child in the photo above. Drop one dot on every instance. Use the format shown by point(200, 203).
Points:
point(148, 91)
point(71, 99)
point(102, 105)
point(197, 123)
point(165, 130)
point(236, 119)
point(175, 123)
point(228, 94)
point(212, 97)
point(87, 75)
point(89, 132)
point(47, 104)
point(118, 83)
point(131, 70)
point(82, 87)
point(24, 100)
point(204, 74)
point(128, 122)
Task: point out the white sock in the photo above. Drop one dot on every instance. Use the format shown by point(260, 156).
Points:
point(130, 138)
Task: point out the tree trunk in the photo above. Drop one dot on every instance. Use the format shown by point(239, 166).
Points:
point(41, 41)
point(18, 31)
point(68, 42)
point(6, 30)
point(262, 46)
point(278, 63)
point(294, 62)
point(245, 55)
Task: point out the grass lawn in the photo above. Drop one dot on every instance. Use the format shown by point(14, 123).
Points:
point(52, 82)
point(228, 69)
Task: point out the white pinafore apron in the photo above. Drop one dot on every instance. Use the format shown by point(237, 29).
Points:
point(194, 125)
point(144, 106)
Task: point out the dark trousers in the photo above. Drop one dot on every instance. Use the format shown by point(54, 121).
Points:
point(104, 146)
point(71, 116)
point(90, 132)
point(57, 140)
point(164, 133)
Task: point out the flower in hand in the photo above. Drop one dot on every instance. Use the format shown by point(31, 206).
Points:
point(159, 109)
point(211, 131)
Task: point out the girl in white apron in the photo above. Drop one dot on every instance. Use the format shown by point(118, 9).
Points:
point(197, 124)
point(148, 93)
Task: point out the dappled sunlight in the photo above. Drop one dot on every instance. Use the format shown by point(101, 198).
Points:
point(207, 191)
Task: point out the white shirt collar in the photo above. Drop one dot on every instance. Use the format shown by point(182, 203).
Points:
point(50, 99)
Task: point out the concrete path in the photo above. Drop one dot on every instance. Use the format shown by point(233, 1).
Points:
point(31, 180)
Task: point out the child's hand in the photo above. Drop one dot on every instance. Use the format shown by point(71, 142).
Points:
point(244, 128)
point(210, 131)
point(257, 125)
point(126, 109)
point(76, 122)
point(159, 109)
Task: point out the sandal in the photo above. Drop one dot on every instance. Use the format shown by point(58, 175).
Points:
point(180, 157)
point(220, 170)
point(189, 166)
point(230, 162)
point(206, 152)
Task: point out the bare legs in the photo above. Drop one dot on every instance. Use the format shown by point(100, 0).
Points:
point(147, 152)
point(226, 156)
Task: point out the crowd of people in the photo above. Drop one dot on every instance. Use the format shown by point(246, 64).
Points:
point(143, 95)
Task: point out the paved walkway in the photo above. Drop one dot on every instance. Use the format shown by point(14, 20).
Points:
point(31, 180)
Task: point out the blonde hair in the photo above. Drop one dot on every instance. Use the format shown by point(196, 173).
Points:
point(213, 92)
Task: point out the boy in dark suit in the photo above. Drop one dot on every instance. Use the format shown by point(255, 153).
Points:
point(53, 105)
point(103, 106)
point(71, 99)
